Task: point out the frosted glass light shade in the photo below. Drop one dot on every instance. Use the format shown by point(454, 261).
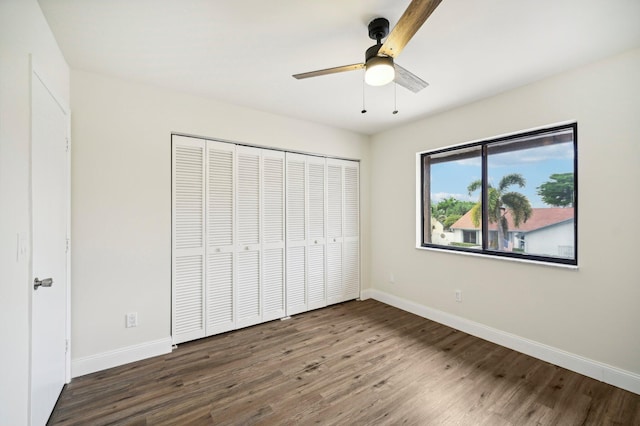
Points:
point(379, 71)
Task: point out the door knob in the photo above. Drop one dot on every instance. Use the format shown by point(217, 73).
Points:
point(47, 282)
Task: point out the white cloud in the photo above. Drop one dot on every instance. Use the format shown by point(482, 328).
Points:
point(439, 196)
point(473, 162)
point(550, 152)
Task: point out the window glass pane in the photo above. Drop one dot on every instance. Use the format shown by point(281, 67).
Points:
point(531, 185)
point(521, 190)
point(448, 204)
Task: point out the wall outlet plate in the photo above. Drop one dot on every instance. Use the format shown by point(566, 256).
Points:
point(131, 319)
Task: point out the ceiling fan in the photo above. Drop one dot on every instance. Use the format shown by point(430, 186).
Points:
point(379, 65)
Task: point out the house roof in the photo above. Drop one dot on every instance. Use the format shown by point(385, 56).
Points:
point(540, 218)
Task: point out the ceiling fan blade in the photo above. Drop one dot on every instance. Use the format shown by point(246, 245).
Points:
point(409, 80)
point(409, 23)
point(334, 70)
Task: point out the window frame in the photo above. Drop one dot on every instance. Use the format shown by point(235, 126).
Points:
point(423, 182)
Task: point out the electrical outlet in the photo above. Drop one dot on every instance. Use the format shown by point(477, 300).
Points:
point(458, 296)
point(131, 319)
point(392, 278)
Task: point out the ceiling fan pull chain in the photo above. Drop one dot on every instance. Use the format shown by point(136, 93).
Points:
point(364, 110)
point(395, 97)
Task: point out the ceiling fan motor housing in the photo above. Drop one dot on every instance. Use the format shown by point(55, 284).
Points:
point(378, 29)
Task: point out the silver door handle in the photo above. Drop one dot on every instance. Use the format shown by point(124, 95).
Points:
point(47, 282)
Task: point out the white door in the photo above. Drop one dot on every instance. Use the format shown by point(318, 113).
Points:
point(297, 296)
point(220, 208)
point(49, 175)
point(351, 245)
point(248, 229)
point(335, 289)
point(316, 249)
point(188, 239)
point(273, 229)
point(343, 236)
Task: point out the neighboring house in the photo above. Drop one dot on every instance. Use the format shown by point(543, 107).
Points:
point(548, 231)
point(439, 235)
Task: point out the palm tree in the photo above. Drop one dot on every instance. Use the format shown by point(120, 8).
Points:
point(501, 202)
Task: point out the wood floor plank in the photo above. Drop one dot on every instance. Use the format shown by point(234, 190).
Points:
point(352, 363)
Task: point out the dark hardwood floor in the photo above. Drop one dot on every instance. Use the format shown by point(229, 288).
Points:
point(353, 363)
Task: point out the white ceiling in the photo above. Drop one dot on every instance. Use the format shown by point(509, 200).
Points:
point(244, 52)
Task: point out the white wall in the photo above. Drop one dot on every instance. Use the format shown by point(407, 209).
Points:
point(591, 312)
point(549, 239)
point(121, 200)
point(23, 31)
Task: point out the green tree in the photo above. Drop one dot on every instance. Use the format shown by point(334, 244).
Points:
point(450, 220)
point(449, 210)
point(502, 201)
point(558, 190)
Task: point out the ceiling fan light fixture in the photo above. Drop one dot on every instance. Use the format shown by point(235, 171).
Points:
point(379, 71)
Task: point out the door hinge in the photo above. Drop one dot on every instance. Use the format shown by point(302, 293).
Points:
point(67, 145)
point(67, 245)
point(66, 346)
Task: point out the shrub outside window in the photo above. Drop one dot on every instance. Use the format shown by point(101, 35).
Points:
point(512, 196)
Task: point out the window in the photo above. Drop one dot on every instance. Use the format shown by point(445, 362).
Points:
point(470, 237)
point(512, 196)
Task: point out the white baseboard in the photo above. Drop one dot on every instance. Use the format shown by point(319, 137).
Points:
point(603, 372)
point(117, 357)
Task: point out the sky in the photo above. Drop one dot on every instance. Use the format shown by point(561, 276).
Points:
point(451, 179)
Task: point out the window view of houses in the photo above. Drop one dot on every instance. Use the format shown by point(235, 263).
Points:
point(548, 231)
point(529, 190)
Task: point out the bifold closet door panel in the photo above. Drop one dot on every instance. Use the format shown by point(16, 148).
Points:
point(316, 232)
point(334, 231)
point(351, 244)
point(296, 233)
point(273, 235)
point(248, 229)
point(220, 207)
point(188, 239)
point(343, 238)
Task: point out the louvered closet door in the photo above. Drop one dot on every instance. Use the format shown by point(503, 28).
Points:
point(188, 236)
point(316, 232)
point(343, 246)
point(334, 231)
point(351, 244)
point(296, 234)
point(220, 202)
point(248, 229)
point(273, 231)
